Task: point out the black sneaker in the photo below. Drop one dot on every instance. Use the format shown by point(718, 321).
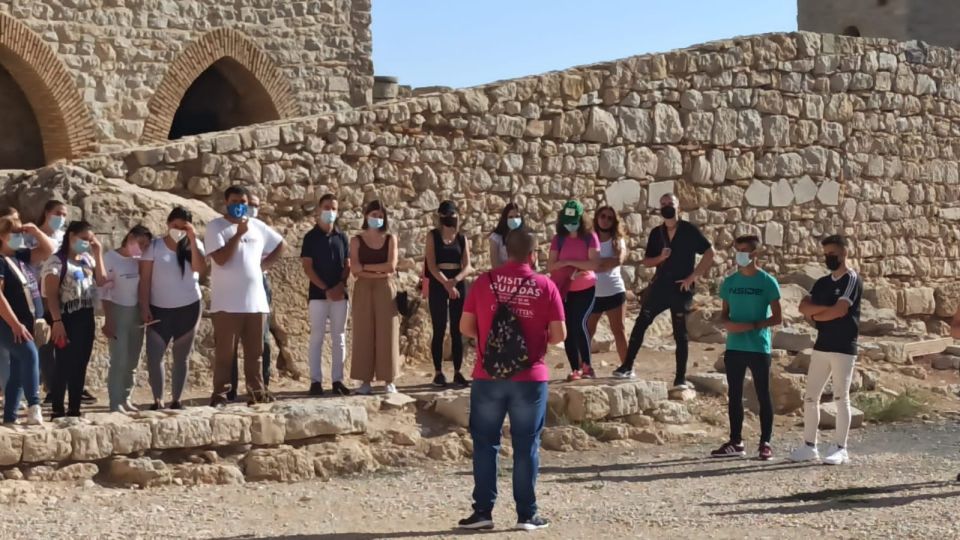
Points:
point(729, 450)
point(624, 372)
point(316, 389)
point(156, 406)
point(218, 402)
point(439, 380)
point(460, 380)
point(476, 521)
point(340, 389)
point(176, 405)
point(87, 398)
point(533, 524)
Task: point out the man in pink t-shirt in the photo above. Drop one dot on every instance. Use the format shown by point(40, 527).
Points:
point(535, 301)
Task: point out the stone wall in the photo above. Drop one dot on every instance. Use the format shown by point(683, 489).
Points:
point(790, 136)
point(932, 21)
point(310, 56)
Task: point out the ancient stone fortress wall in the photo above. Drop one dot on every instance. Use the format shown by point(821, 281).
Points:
point(932, 21)
point(789, 136)
point(98, 75)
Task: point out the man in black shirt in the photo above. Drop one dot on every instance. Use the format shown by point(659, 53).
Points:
point(834, 306)
point(672, 249)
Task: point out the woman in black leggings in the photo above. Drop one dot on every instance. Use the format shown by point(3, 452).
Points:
point(447, 265)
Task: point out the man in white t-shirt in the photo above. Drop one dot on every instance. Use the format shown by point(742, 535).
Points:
point(241, 249)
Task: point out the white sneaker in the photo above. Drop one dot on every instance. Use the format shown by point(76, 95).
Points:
point(391, 388)
point(804, 453)
point(364, 389)
point(130, 407)
point(34, 416)
point(836, 455)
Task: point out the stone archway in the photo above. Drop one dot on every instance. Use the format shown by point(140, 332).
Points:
point(38, 93)
point(220, 81)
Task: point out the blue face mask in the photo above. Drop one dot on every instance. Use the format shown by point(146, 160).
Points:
point(81, 246)
point(514, 223)
point(328, 217)
point(17, 241)
point(237, 210)
point(57, 222)
point(743, 259)
point(374, 222)
point(572, 227)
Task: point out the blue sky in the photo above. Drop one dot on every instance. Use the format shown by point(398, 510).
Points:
point(468, 42)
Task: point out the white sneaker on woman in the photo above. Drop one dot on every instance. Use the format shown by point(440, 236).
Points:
point(391, 388)
point(364, 389)
point(836, 455)
point(34, 416)
point(130, 407)
point(804, 453)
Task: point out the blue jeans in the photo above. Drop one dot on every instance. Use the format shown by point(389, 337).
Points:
point(24, 374)
point(490, 402)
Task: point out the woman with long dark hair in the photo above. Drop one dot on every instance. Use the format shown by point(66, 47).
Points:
point(611, 291)
point(447, 261)
point(70, 278)
point(376, 322)
point(574, 259)
point(170, 301)
point(122, 325)
point(510, 219)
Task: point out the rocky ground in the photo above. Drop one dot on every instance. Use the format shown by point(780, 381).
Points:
point(899, 485)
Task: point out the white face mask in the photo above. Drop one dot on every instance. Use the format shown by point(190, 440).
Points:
point(253, 211)
point(176, 234)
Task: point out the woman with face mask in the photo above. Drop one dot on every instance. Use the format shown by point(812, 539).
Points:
point(122, 325)
point(19, 309)
point(447, 264)
point(611, 291)
point(376, 322)
point(54, 221)
point(510, 219)
point(574, 259)
point(170, 301)
point(69, 279)
point(325, 256)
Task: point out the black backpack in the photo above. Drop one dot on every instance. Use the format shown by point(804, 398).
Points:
point(506, 352)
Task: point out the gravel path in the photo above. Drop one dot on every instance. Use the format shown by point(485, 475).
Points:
point(899, 485)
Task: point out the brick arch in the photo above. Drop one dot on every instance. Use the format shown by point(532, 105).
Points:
point(65, 123)
point(257, 68)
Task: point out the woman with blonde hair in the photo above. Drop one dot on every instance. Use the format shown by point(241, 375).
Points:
point(611, 293)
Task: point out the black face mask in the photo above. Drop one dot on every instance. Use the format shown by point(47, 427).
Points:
point(668, 212)
point(449, 221)
point(833, 262)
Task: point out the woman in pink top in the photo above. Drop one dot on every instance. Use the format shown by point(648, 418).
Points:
point(574, 256)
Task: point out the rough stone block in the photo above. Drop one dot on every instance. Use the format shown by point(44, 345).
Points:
point(667, 125)
point(828, 416)
point(11, 446)
point(613, 162)
point(283, 464)
point(624, 195)
point(230, 429)
point(622, 400)
point(793, 339)
point(131, 437)
point(916, 301)
point(454, 406)
point(601, 126)
point(672, 412)
point(90, 442)
point(47, 443)
point(709, 383)
point(312, 418)
point(182, 431)
point(268, 429)
point(636, 125)
point(587, 403)
point(758, 194)
point(657, 190)
point(649, 393)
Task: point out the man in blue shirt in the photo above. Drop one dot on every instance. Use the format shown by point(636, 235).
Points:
point(751, 305)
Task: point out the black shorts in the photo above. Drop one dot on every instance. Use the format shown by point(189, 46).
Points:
point(603, 304)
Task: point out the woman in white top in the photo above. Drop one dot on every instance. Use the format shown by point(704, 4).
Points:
point(170, 301)
point(611, 291)
point(510, 219)
point(122, 325)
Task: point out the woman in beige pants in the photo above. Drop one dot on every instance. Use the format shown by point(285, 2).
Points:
point(376, 323)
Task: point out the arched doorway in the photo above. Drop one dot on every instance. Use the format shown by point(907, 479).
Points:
point(43, 112)
point(851, 31)
point(223, 97)
point(21, 145)
point(220, 81)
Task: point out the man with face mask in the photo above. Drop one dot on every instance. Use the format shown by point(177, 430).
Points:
point(672, 249)
point(834, 307)
point(241, 249)
point(751, 305)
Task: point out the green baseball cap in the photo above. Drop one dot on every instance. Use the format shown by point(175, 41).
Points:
point(571, 213)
